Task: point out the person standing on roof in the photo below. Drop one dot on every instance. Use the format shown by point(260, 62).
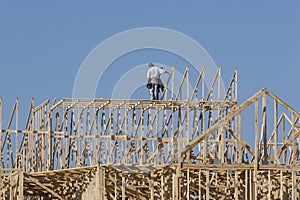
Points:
point(154, 82)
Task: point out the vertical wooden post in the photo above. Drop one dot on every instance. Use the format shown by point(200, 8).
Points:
point(275, 131)
point(174, 150)
point(177, 189)
point(11, 182)
point(251, 184)
point(236, 185)
point(123, 187)
point(116, 182)
point(173, 186)
point(151, 186)
point(103, 191)
point(239, 132)
point(127, 141)
point(50, 148)
point(78, 156)
point(221, 146)
point(264, 110)
point(17, 134)
point(111, 147)
point(294, 185)
point(65, 140)
point(95, 137)
point(20, 189)
point(199, 188)
point(205, 148)
point(31, 140)
point(281, 185)
point(162, 187)
point(294, 156)
point(269, 185)
point(187, 133)
point(282, 139)
point(98, 187)
point(44, 144)
point(188, 184)
point(246, 184)
point(236, 87)
point(256, 159)
point(143, 134)
point(207, 184)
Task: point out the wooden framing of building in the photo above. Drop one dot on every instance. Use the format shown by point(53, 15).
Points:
point(191, 144)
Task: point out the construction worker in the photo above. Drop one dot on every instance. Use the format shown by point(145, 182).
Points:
point(154, 82)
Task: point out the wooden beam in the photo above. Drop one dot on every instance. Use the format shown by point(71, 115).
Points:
point(34, 180)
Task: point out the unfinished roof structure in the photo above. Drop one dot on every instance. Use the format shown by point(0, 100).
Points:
point(194, 143)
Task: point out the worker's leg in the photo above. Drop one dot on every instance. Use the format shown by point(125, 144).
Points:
point(153, 93)
point(150, 93)
point(157, 92)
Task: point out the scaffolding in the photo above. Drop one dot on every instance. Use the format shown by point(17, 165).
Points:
point(191, 144)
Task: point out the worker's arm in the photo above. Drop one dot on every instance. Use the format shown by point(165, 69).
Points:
point(161, 71)
point(148, 74)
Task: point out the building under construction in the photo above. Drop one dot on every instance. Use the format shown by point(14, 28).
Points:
point(194, 143)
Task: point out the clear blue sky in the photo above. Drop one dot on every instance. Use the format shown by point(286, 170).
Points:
point(42, 45)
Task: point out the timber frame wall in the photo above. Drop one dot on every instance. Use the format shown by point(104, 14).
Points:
point(191, 144)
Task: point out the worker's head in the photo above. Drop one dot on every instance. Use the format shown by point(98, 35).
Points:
point(151, 65)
